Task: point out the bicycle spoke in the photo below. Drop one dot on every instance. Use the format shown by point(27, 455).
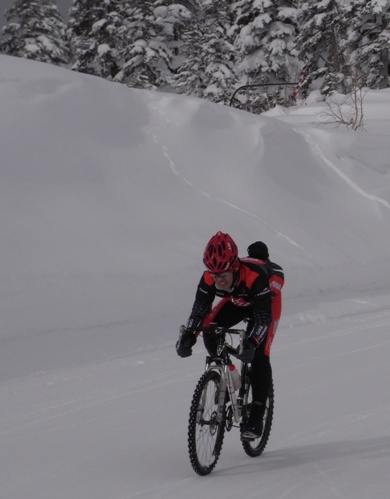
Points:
point(205, 433)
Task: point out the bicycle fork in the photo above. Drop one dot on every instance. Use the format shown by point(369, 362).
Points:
point(238, 399)
point(226, 387)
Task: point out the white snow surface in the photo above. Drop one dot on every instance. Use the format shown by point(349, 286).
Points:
point(108, 196)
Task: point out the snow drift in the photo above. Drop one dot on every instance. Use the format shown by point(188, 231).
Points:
point(107, 197)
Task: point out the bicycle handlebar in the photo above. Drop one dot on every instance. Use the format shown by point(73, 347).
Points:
point(215, 329)
point(219, 330)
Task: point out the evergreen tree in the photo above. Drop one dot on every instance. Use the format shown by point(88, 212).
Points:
point(95, 28)
point(280, 47)
point(322, 45)
point(369, 40)
point(171, 19)
point(208, 67)
point(265, 31)
point(252, 23)
point(145, 53)
point(34, 30)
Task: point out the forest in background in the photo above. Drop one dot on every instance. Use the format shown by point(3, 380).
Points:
point(210, 48)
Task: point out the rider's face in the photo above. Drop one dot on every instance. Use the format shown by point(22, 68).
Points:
point(223, 281)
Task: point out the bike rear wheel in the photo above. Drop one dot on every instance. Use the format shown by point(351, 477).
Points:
point(205, 432)
point(255, 448)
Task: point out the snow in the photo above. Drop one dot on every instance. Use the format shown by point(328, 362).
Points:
point(107, 198)
point(103, 49)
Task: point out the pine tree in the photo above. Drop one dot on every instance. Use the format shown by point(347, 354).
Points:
point(35, 30)
point(208, 67)
point(145, 53)
point(94, 32)
point(252, 23)
point(369, 40)
point(171, 19)
point(265, 32)
point(280, 46)
point(322, 45)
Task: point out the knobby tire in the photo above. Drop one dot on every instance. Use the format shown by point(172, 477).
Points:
point(205, 434)
point(256, 447)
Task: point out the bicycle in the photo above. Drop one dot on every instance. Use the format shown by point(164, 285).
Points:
point(216, 407)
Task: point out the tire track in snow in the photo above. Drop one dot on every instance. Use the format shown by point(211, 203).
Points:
point(29, 424)
point(274, 231)
point(173, 167)
point(317, 151)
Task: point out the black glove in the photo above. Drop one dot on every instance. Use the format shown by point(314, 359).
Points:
point(185, 343)
point(248, 352)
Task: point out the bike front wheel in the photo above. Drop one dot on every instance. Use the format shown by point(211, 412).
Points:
point(206, 428)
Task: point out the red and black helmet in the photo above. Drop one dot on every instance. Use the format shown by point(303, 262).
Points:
point(221, 254)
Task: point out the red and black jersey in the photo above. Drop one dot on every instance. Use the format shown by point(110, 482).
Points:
point(275, 272)
point(254, 285)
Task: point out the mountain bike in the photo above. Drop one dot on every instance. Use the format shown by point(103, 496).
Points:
point(217, 407)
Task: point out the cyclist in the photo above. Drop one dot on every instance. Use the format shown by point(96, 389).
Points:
point(249, 289)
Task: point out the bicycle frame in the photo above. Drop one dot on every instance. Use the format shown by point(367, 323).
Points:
point(221, 364)
point(227, 385)
point(217, 407)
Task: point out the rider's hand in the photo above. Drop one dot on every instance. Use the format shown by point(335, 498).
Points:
point(248, 352)
point(185, 343)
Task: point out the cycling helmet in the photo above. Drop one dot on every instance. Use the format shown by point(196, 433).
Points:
point(221, 254)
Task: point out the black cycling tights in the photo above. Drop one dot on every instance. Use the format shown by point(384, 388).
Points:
point(261, 376)
point(229, 315)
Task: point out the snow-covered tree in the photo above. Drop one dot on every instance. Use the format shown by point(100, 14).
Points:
point(146, 51)
point(252, 24)
point(34, 30)
point(171, 19)
point(369, 40)
point(95, 35)
point(344, 43)
point(208, 67)
point(322, 45)
point(265, 31)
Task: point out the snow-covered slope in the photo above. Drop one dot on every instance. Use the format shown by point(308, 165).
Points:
point(107, 197)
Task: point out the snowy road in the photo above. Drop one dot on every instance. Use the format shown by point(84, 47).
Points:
point(117, 429)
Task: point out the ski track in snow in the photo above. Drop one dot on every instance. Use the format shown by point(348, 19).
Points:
point(276, 232)
point(43, 415)
point(317, 151)
point(174, 169)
